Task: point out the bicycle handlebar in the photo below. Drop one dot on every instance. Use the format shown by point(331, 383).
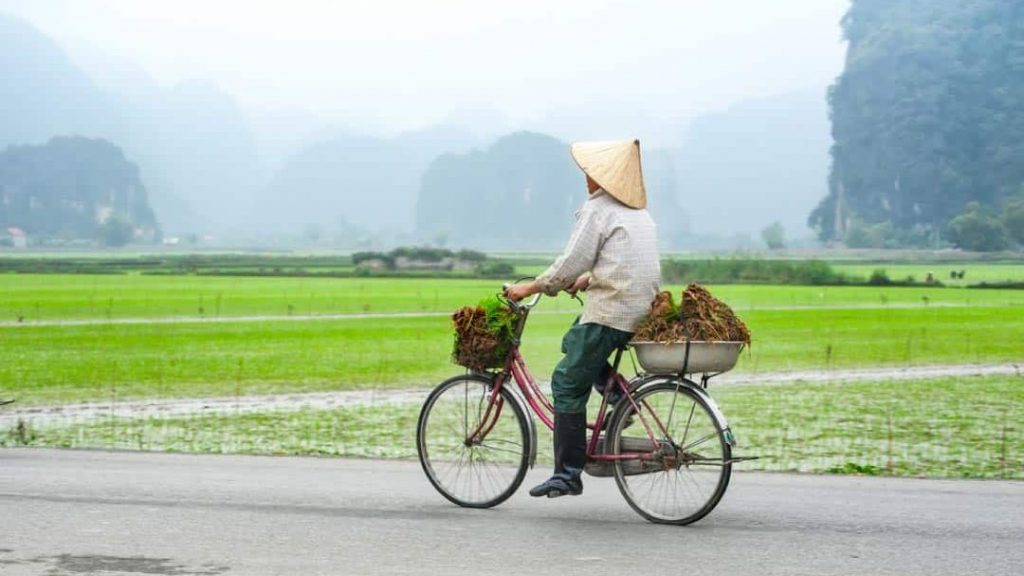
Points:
point(531, 302)
point(524, 304)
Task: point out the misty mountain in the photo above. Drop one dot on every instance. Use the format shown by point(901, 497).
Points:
point(200, 155)
point(43, 93)
point(757, 162)
point(356, 179)
point(191, 141)
point(68, 187)
point(522, 192)
point(281, 133)
point(661, 179)
point(348, 179)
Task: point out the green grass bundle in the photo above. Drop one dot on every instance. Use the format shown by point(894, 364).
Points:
point(702, 317)
point(483, 334)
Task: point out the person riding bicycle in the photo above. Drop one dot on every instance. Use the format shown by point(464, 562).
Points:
point(613, 255)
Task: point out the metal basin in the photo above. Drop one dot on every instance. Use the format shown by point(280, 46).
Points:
point(660, 358)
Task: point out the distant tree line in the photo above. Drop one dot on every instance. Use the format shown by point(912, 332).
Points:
point(432, 258)
point(751, 271)
point(928, 126)
point(766, 271)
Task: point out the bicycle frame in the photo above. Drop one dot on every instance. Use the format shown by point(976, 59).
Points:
point(542, 408)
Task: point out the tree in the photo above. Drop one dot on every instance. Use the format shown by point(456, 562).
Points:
point(863, 235)
point(977, 229)
point(1013, 218)
point(115, 232)
point(774, 236)
point(496, 269)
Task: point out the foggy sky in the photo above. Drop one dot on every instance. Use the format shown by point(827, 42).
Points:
point(576, 68)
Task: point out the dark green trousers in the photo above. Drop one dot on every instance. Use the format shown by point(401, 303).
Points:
point(586, 348)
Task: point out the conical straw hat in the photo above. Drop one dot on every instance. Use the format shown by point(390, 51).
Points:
point(615, 166)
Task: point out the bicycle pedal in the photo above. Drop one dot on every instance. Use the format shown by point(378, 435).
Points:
point(600, 469)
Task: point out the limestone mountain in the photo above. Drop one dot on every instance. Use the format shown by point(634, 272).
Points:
point(522, 191)
point(69, 187)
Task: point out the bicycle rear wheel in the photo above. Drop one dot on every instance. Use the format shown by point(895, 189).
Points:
point(691, 465)
point(478, 472)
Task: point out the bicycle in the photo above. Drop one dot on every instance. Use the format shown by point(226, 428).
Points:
point(665, 441)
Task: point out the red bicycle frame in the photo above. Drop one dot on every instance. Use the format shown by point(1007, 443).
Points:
point(515, 368)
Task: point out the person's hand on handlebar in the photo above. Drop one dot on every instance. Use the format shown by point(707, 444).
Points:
point(580, 285)
point(517, 292)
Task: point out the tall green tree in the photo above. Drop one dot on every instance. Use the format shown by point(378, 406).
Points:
point(1013, 217)
point(774, 236)
point(977, 229)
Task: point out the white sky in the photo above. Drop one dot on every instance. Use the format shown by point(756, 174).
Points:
point(394, 64)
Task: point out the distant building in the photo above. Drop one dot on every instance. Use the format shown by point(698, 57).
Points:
point(374, 264)
point(18, 237)
point(407, 263)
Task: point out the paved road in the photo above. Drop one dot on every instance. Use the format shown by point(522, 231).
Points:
point(83, 512)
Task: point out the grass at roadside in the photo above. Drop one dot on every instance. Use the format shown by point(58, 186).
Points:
point(952, 428)
point(110, 362)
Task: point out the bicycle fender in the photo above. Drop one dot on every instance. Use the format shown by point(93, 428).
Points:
point(716, 412)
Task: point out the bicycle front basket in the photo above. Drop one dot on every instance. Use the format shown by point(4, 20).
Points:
point(478, 355)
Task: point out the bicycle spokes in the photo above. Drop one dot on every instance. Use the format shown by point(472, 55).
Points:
point(677, 481)
point(472, 440)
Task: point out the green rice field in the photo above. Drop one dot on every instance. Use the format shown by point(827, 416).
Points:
point(974, 273)
point(45, 364)
point(124, 361)
point(54, 297)
point(103, 360)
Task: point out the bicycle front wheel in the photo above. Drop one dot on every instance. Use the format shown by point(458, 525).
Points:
point(473, 446)
point(689, 465)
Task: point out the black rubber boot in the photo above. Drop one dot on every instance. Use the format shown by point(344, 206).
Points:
point(570, 457)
